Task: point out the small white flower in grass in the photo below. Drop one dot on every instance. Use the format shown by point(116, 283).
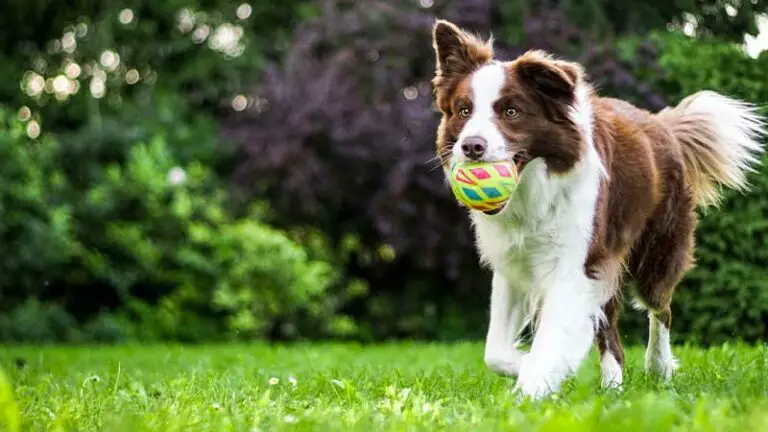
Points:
point(177, 176)
point(216, 406)
point(274, 381)
point(290, 419)
point(292, 381)
point(91, 379)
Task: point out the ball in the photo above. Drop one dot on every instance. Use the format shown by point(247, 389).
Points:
point(484, 186)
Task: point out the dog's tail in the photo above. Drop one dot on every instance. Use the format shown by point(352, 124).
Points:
point(720, 139)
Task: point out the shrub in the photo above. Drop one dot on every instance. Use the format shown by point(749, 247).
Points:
point(163, 233)
point(36, 322)
point(153, 242)
point(36, 228)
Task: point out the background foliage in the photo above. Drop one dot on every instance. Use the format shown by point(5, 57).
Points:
point(206, 170)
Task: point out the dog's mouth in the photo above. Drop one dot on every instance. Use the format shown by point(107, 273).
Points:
point(520, 159)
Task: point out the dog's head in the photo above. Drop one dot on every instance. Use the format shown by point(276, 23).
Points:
point(529, 108)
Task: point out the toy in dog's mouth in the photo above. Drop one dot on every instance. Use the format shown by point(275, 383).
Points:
point(483, 186)
point(520, 160)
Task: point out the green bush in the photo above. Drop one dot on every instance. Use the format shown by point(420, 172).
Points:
point(37, 322)
point(726, 296)
point(172, 228)
point(150, 248)
point(36, 228)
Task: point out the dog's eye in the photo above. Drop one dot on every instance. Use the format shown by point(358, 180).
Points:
point(464, 112)
point(510, 113)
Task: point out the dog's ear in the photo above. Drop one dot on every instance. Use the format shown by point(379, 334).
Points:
point(556, 79)
point(458, 53)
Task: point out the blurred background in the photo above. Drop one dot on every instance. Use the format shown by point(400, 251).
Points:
point(210, 170)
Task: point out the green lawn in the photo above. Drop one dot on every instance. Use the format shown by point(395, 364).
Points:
point(352, 387)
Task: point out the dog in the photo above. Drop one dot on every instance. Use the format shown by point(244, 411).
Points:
point(607, 192)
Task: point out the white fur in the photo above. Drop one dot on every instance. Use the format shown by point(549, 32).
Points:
point(508, 318)
point(540, 242)
point(738, 129)
point(611, 373)
point(658, 354)
point(486, 85)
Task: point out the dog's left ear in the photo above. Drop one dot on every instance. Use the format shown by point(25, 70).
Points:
point(556, 79)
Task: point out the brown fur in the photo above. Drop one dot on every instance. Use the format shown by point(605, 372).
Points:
point(658, 166)
point(607, 338)
point(458, 54)
point(539, 88)
point(645, 215)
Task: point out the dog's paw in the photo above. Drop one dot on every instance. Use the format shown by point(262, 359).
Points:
point(664, 367)
point(507, 364)
point(536, 382)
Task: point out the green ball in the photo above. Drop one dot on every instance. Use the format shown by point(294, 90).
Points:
point(484, 186)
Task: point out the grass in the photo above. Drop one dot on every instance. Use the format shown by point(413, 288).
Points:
point(338, 387)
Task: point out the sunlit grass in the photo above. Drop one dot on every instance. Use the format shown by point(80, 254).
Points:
point(352, 387)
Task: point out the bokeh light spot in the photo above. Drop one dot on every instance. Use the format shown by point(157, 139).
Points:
point(132, 76)
point(72, 70)
point(239, 103)
point(201, 34)
point(25, 113)
point(33, 129)
point(68, 42)
point(244, 11)
point(110, 60)
point(98, 88)
point(185, 20)
point(125, 16)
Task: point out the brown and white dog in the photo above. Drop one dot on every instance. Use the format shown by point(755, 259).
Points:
point(607, 191)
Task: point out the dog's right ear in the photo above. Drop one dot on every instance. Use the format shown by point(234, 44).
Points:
point(556, 79)
point(458, 53)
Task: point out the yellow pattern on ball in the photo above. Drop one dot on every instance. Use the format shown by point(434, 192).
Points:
point(483, 186)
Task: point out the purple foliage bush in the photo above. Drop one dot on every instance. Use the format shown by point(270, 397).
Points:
point(340, 135)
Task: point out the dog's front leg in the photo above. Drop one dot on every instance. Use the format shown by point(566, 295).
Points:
point(508, 318)
point(565, 330)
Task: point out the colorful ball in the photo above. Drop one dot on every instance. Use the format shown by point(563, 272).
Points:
point(483, 186)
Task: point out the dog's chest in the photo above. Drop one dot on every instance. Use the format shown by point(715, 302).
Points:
point(526, 233)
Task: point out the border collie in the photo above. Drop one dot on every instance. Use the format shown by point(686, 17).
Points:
point(607, 192)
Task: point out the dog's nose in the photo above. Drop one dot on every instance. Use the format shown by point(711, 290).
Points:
point(474, 147)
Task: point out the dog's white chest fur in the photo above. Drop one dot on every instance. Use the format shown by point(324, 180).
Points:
point(547, 223)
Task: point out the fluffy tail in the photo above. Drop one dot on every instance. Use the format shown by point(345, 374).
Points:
point(721, 141)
